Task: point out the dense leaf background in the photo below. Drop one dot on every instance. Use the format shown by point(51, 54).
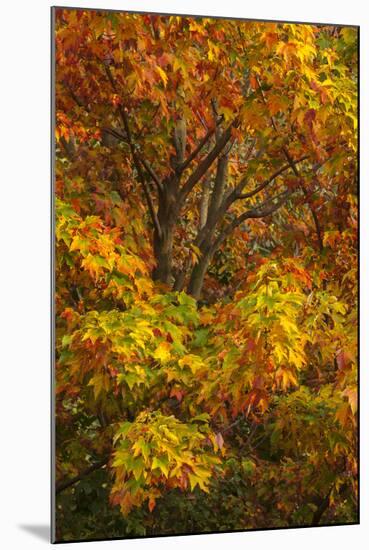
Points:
point(206, 257)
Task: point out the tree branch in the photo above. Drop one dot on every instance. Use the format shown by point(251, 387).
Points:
point(322, 507)
point(265, 209)
point(152, 173)
point(135, 156)
point(76, 98)
point(318, 229)
point(208, 160)
point(62, 485)
point(201, 144)
point(146, 125)
point(292, 163)
point(114, 133)
point(265, 183)
point(230, 198)
point(204, 203)
point(182, 167)
point(219, 188)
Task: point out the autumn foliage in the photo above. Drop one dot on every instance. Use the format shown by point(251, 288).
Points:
point(206, 274)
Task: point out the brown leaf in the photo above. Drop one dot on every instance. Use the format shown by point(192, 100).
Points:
point(219, 439)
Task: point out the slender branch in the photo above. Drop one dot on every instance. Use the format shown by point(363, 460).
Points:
point(76, 98)
point(292, 163)
point(152, 173)
point(233, 425)
point(135, 156)
point(68, 147)
point(235, 195)
point(205, 139)
point(266, 182)
point(265, 103)
point(208, 160)
point(322, 507)
point(115, 133)
point(268, 207)
point(206, 232)
point(318, 229)
point(202, 121)
point(148, 168)
point(146, 125)
point(251, 435)
point(219, 188)
point(265, 209)
point(64, 484)
point(196, 151)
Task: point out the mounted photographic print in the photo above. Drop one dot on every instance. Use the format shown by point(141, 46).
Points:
point(205, 203)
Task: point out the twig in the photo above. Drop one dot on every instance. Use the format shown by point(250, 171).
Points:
point(62, 485)
point(135, 156)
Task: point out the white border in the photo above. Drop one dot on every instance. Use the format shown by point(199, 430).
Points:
point(24, 224)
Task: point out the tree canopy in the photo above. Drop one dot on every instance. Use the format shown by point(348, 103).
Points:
point(206, 274)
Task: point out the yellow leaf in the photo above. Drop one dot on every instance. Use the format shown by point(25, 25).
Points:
point(296, 358)
point(144, 286)
point(279, 353)
point(160, 464)
point(213, 51)
point(99, 382)
point(228, 113)
point(163, 75)
point(192, 361)
point(162, 352)
point(286, 378)
point(194, 480)
point(177, 65)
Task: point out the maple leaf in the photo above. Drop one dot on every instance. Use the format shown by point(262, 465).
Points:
point(162, 75)
point(163, 352)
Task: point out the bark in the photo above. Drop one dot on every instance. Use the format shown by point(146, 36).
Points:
point(198, 273)
point(69, 147)
point(219, 187)
point(203, 216)
point(168, 212)
point(169, 208)
point(210, 244)
point(204, 203)
point(207, 228)
point(206, 163)
point(179, 139)
point(172, 198)
point(163, 251)
point(180, 278)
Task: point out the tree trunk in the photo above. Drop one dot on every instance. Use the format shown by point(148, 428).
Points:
point(198, 273)
point(163, 244)
point(163, 247)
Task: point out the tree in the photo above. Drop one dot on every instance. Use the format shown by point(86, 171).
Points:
point(206, 270)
